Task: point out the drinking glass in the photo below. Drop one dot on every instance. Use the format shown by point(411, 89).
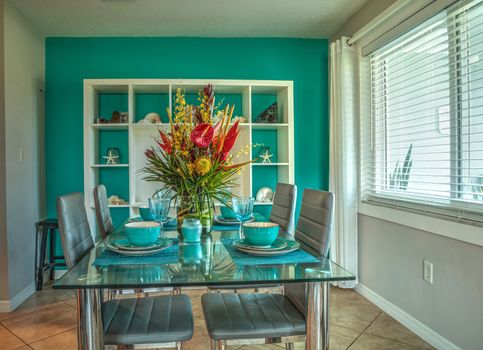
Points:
point(159, 207)
point(243, 208)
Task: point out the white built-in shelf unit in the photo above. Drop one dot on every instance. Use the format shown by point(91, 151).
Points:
point(141, 96)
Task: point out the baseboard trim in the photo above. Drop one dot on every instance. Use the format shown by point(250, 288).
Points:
point(12, 304)
point(417, 327)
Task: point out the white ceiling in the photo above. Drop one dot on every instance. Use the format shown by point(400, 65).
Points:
point(200, 18)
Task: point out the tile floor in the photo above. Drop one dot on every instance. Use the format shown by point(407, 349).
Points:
point(47, 320)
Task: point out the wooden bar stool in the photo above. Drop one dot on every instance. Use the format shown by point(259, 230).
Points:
point(46, 230)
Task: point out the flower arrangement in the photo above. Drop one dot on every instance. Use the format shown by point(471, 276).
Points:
point(193, 159)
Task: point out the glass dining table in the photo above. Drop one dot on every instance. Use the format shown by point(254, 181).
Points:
point(212, 262)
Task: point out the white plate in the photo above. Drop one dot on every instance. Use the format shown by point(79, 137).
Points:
point(279, 244)
point(292, 246)
point(124, 244)
point(139, 252)
point(220, 220)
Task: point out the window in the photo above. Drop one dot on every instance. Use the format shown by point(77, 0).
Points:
point(427, 115)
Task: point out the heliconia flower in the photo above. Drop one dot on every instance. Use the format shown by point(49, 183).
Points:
point(202, 166)
point(202, 135)
point(166, 143)
point(230, 139)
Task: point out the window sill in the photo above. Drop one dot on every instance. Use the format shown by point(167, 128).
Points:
point(447, 228)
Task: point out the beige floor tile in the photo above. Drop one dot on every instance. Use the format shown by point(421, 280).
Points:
point(387, 327)
point(340, 338)
point(354, 316)
point(24, 347)
point(342, 296)
point(44, 323)
point(9, 341)
point(65, 341)
point(43, 299)
point(372, 342)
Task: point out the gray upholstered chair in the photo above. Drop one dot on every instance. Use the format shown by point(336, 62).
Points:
point(273, 316)
point(283, 208)
point(103, 215)
point(162, 319)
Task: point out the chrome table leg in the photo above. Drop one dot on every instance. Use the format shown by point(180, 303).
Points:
point(317, 316)
point(90, 330)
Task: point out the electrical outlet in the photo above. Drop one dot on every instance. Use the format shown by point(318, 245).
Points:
point(21, 155)
point(428, 271)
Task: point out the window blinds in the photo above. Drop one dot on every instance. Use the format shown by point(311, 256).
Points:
point(426, 130)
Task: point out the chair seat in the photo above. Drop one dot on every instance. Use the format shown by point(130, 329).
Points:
point(250, 316)
point(161, 319)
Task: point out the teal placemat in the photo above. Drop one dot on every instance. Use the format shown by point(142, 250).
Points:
point(167, 256)
point(242, 259)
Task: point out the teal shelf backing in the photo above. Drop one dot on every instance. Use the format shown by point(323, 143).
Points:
point(116, 181)
point(114, 138)
point(151, 102)
point(265, 137)
point(110, 102)
point(260, 102)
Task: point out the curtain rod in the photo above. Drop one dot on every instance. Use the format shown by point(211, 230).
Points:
point(374, 23)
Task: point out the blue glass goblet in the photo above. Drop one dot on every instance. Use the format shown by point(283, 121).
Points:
point(243, 208)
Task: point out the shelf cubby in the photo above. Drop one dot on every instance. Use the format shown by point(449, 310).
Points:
point(139, 97)
point(148, 99)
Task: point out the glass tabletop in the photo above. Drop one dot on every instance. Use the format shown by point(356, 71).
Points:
point(208, 263)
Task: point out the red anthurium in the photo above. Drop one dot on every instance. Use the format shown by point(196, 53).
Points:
point(202, 135)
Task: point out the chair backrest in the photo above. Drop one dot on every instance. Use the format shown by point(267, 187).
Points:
point(314, 232)
point(283, 208)
point(103, 215)
point(314, 227)
point(74, 227)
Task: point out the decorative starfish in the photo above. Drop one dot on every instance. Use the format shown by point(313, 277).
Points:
point(266, 157)
point(111, 159)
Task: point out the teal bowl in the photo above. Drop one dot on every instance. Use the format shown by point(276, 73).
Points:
point(146, 214)
point(260, 233)
point(143, 233)
point(227, 213)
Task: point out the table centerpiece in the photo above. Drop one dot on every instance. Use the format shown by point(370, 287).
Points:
point(192, 159)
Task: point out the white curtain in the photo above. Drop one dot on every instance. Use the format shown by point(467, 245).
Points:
point(343, 155)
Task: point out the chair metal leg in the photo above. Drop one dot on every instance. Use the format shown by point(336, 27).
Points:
point(179, 345)
point(289, 346)
point(221, 345)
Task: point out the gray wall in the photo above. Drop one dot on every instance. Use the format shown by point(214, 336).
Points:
point(4, 295)
point(391, 264)
point(391, 259)
point(24, 80)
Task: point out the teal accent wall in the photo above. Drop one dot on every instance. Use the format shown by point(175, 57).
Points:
point(70, 60)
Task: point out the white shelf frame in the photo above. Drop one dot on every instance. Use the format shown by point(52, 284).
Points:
point(92, 87)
